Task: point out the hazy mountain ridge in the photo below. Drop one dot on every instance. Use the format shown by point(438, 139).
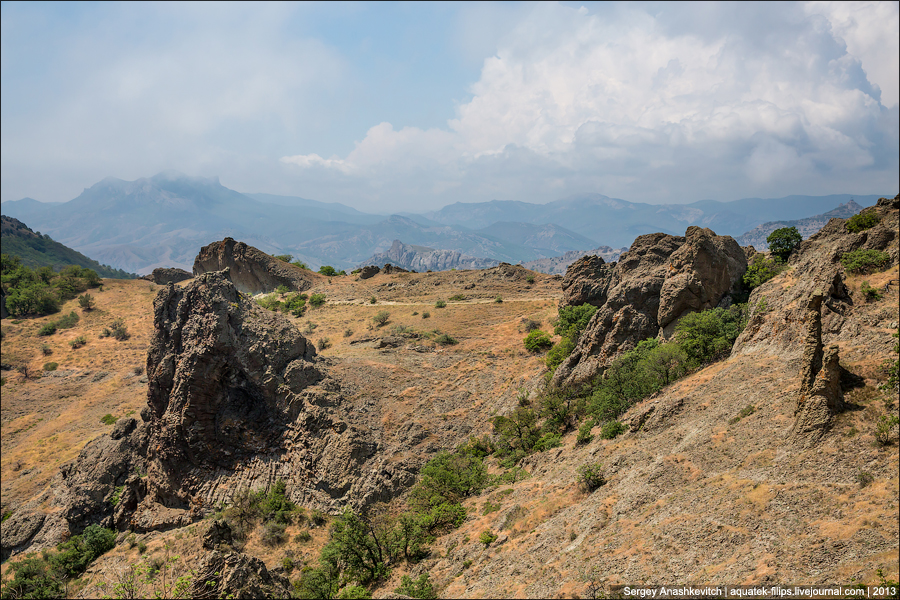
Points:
point(806, 227)
point(163, 220)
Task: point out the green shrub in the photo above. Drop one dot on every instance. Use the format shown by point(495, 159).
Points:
point(67, 321)
point(862, 221)
point(530, 279)
point(86, 302)
point(47, 328)
point(783, 242)
point(709, 335)
point(458, 298)
point(295, 304)
point(381, 318)
point(558, 353)
point(611, 429)
point(548, 441)
point(50, 366)
point(529, 325)
point(323, 343)
point(869, 293)
point(283, 257)
point(33, 578)
point(864, 478)
point(448, 478)
point(317, 300)
point(426, 315)
point(445, 339)
point(760, 270)
point(78, 342)
point(303, 537)
point(373, 300)
point(537, 340)
point(440, 304)
point(498, 299)
point(584, 432)
point(573, 320)
point(353, 592)
point(745, 412)
point(282, 289)
point(590, 476)
point(328, 270)
point(274, 534)
point(884, 427)
point(420, 588)
point(46, 350)
point(108, 419)
point(865, 261)
point(487, 537)
point(116, 495)
point(119, 330)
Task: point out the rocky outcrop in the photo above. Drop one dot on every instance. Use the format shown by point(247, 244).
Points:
point(420, 258)
point(369, 271)
point(236, 575)
point(820, 396)
point(390, 269)
point(661, 278)
point(252, 271)
point(558, 265)
point(778, 307)
point(237, 399)
point(165, 275)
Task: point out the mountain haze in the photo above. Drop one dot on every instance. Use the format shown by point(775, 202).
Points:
point(162, 221)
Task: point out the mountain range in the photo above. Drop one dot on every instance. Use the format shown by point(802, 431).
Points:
point(163, 220)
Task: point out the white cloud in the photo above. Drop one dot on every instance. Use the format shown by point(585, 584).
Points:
point(621, 103)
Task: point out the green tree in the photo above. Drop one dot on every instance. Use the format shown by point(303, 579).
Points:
point(709, 335)
point(573, 320)
point(355, 546)
point(328, 270)
point(537, 340)
point(782, 242)
point(761, 270)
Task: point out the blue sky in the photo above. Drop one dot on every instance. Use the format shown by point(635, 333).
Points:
point(392, 107)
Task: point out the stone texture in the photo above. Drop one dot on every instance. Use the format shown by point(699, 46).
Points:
point(216, 534)
point(236, 575)
point(369, 271)
point(165, 275)
point(252, 271)
point(661, 278)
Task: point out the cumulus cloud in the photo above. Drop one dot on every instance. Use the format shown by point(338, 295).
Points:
point(723, 101)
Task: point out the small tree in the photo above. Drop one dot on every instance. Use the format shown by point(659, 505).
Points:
point(328, 270)
point(537, 340)
point(782, 242)
point(381, 317)
point(86, 302)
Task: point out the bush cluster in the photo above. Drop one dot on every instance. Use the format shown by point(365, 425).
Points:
point(537, 340)
point(862, 261)
point(41, 291)
point(294, 304)
point(862, 221)
point(44, 576)
point(760, 270)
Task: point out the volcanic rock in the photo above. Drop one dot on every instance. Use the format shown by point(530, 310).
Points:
point(661, 278)
point(236, 575)
point(252, 271)
point(164, 275)
point(369, 271)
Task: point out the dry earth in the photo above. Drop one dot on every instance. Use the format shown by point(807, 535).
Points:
point(692, 496)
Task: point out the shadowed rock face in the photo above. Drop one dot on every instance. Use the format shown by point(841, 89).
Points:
point(162, 276)
point(661, 278)
point(252, 271)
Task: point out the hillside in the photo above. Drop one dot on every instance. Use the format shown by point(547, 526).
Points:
point(37, 250)
point(711, 479)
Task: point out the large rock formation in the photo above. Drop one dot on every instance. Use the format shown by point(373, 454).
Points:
point(778, 307)
point(237, 575)
point(661, 278)
point(237, 399)
point(820, 396)
point(420, 258)
point(252, 271)
point(165, 275)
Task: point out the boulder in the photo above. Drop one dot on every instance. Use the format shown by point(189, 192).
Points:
point(236, 575)
point(251, 271)
point(216, 534)
point(587, 281)
point(369, 271)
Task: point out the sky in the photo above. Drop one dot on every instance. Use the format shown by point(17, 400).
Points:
point(413, 106)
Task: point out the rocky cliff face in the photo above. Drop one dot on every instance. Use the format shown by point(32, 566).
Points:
point(252, 271)
point(778, 307)
point(237, 399)
point(420, 258)
point(661, 278)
